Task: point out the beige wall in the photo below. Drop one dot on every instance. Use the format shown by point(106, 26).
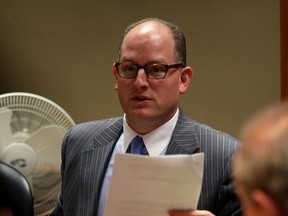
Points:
point(64, 50)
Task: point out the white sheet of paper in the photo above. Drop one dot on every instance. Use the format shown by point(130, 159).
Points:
point(150, 186)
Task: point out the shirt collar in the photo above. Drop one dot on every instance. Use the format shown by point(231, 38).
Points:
point(155, 141)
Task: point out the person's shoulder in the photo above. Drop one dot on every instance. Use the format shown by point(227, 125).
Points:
point(96, 125)
point(206, 130)
point(216, 143)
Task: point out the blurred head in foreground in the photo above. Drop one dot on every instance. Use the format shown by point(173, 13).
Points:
point(260, 169)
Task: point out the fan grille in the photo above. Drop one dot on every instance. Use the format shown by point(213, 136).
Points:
point(32, 111)
point(41, 124)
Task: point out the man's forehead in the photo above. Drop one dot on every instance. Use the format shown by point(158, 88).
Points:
point(149, 26)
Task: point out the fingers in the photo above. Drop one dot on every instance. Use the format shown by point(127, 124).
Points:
point(190, 213)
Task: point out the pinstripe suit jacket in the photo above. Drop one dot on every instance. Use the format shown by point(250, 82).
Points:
point(87, 149)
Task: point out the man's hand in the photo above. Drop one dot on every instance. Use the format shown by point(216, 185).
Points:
point(190, 213)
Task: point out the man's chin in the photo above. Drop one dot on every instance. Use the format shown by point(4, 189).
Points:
point(141, 115)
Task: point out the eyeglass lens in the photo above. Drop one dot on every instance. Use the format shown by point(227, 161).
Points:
point(128, 70)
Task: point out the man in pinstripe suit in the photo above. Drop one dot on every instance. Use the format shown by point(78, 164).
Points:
point(150, 76)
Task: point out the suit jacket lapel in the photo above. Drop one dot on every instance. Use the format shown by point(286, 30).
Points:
point(184, 139)
point(94, 162)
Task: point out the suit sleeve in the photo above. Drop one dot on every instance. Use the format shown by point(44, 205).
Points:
point(227, 202)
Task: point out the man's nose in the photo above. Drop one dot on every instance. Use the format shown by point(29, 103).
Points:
point(141, 78)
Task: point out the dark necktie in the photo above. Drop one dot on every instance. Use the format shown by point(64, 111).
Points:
point(137, 146)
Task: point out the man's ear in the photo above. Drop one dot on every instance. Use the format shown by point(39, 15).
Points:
point(114, 69)
point(264, 203)
point(186, 76)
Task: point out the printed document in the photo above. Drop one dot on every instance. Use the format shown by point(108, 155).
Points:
point(151, 186)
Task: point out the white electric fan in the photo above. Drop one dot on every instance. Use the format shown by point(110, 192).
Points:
point(31, 132)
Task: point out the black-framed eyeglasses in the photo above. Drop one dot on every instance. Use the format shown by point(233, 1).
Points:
point(153, 70)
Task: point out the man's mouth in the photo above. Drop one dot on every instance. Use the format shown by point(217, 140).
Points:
point(140, 98)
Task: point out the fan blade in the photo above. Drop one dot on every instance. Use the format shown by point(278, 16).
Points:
point(6, 136)
point(46, 143)
point(46, 179)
